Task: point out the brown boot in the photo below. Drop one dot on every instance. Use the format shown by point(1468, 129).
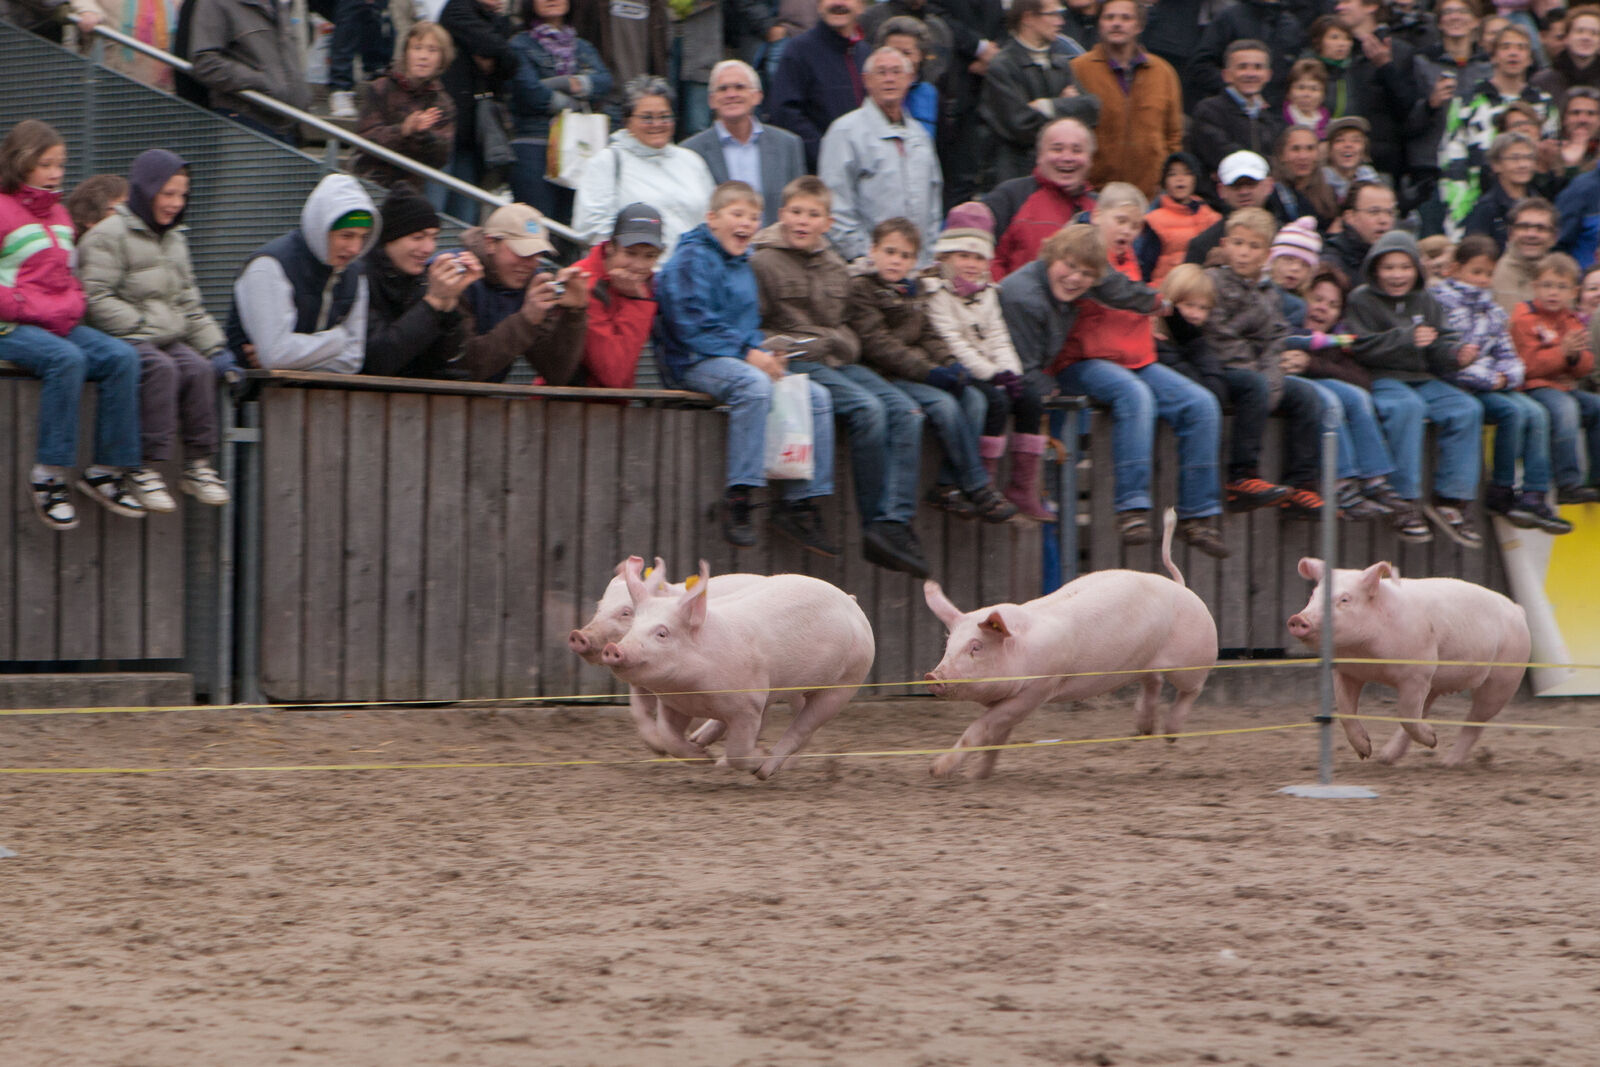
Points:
point(990, 449)
point(1026, 452)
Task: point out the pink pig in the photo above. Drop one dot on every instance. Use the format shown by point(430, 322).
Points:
point(612, 617)
point(1106, 621)
point(706, 653)
point(1379, 615)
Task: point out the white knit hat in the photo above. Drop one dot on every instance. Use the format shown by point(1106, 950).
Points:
point(1299, 239)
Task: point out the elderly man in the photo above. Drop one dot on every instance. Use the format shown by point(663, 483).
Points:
point(738, 147)
point(1141, 102)
point(1030, 83)
point(819, 78)
point(880, 163)
point(1029, 209)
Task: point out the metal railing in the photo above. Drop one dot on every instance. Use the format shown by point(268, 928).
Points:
point(335, 133)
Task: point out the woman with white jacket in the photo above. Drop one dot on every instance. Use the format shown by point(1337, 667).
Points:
point(642, 165)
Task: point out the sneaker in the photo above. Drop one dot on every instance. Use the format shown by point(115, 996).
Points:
point(1247, 494)
point(1204, 535)
point(202, 482)
point(1384, 495)
point(1303, 504)
point(801, 522)
point(949, 498)
point(342, 104)
point(151, 490)
point(1454, 525)
point(1357, 506)
point(892, 546)
point(1544, 516)
point(1134, 527)
point(1577, 494)
point(990, 505)
point(737, 529)
point(1410, 526)
point(1503, 500)
point(111, 491)
point(52, 502)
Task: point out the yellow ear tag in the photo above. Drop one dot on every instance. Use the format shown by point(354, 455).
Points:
point(691, 581)
point(648, 571)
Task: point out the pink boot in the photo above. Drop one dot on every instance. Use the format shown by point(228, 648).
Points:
point(1026, 450)
point(990, 449)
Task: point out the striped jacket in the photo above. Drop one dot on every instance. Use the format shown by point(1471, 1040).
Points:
point(36, 283)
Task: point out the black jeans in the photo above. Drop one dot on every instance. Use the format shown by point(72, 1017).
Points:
point(1025, 415)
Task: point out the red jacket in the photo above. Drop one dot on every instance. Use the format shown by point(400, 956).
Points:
point(618, 328)
point(1126, 338)
point(38, 288)
point(1538, 336)
point(1177, 225)
point(1042, 214)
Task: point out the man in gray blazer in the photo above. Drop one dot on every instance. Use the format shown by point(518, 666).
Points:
point(738, 147)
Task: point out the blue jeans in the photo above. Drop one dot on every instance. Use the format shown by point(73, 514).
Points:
point(63, 364)
point(1574, 434)
point(1521, 431)
point(529, 187)
point(748, 392)
point(957, 422)
point(1137, 398)
point(1458, 425)
point(357, 26)
point(885, 429)
point(1363, 453)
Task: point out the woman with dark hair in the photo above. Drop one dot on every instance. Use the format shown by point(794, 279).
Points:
point(1298, 185)
point(42, 331)
point(556, 70)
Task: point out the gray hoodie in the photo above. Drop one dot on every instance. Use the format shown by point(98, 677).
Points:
point(1384, 324)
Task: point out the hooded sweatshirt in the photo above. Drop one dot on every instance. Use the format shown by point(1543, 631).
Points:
point(298, 312)
point(805, 294)
point(672, 179)
point(136, 272)
point(1480, 320)
point(1385, 324)
point(36, 283)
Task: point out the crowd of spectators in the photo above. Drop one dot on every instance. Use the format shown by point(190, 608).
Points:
point(943, 211)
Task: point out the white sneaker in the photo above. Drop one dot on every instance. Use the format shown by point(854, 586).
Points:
point(205, 485)
point(151, 490)
point(342, 104)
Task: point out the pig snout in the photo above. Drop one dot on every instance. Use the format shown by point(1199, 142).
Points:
point(1301, 627)
point(611, 655)
point(579, 642)
point(938, 688)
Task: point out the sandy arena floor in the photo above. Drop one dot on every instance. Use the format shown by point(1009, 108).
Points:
point(1135, 903)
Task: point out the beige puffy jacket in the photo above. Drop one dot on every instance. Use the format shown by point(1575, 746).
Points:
point(141, 287)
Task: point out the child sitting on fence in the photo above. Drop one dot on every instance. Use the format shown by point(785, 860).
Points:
point(1409, 348)
point(888, 311)
point(41, 331)
point(1110, 355)
point(1554, 346)
point(708, 338)
point(93, 199)
point(1494, 377)
point(964, 307)
point(140, 286)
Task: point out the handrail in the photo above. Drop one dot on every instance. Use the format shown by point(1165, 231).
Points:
point(335, 131)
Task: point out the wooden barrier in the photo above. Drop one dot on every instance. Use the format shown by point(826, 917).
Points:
point(441, 543)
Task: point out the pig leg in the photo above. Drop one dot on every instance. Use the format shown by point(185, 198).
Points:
point(709, 731)
point(1188, 684)
point(991, 728)
point(811, 710)
point(671, 727)
point(1415, 698)
point(642, 706)
point(1347, 696)
point(1487, 701)
point(744, 728)
point(1144, 712)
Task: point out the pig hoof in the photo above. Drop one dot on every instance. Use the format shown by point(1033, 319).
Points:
point(1429, 738)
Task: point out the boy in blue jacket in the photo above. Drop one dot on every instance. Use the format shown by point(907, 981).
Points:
point(708, 338)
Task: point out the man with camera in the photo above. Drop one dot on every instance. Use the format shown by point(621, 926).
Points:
point(523, 306)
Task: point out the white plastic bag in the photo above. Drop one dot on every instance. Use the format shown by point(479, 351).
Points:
point(575, 138)
point(789, 444)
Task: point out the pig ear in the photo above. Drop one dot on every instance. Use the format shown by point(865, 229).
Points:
point(995, 624)
point(630, 572)
point(1311, 568)
point(623, 566)
point(940, 604)
point(658, 577)
point(692, 604)
point(1373, 575)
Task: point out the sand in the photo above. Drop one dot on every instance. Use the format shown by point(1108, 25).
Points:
point(1132, 903)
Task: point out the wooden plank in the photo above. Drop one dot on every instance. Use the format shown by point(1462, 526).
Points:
point(283, 441)
point(638, 497)
point(365, 558)
point(487, 550)
point(165, 569)
point(1104, 545)
point(79, 559)
point(563, 590)
point(15, 509)
point(444, 567)
point(404, 485)
point(131, 600)
point(711, 433)
point(36, 547)
point(524, 539)
point(1270, 531)
point(323, 491)
point(599, 514)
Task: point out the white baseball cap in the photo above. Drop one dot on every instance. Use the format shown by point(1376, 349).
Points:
point(1239, 165)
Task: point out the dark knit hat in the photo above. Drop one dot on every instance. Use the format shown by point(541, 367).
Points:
point(405, 213)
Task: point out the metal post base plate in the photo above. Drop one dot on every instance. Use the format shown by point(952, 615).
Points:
point(1330, 792)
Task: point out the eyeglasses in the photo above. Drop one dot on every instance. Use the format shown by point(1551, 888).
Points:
point(1376, 212)
point(740, 88)
point(655, 120)
point(1533, 227)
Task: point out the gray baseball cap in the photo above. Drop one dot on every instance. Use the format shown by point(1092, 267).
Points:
point(638, 224)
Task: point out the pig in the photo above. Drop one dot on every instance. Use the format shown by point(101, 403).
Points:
point(1111, 620)
point(614, 614)
point(720, 655)
point(1380, 615)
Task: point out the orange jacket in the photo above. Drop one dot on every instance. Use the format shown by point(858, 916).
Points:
point(1126, 338)
point(1138, 129)
point(1177, 224)
point(1538, 336)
